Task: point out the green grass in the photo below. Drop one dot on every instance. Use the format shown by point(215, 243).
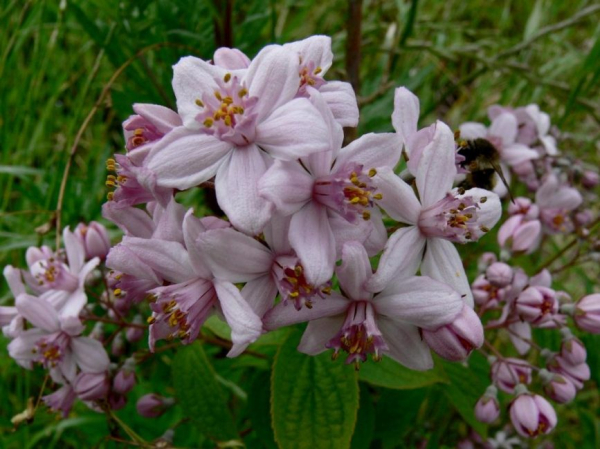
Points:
point(459, 57)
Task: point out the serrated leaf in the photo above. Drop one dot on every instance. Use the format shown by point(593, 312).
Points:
point(201, 395)
point(390, 374)
point(395, 412)
point(315, 400)
point(467, 384)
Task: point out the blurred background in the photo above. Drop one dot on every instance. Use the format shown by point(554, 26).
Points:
point(78, 66)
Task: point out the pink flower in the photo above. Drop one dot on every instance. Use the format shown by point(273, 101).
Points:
point(266, 270)
point(537, 304)
point(229, 117)
point(331, 198)
point(61, 400)
point(531, 415)
point(94, 238)
point(499, 274)
point(487, 408)
point(363, 323)
point(557, 387)
point(91, 386)
point(556, 200)
point(437, 219)
point(55, 342)
point(522, 232)
point(576, 373)
point(193, 291)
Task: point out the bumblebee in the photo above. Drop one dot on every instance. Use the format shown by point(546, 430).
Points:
point(482, 162)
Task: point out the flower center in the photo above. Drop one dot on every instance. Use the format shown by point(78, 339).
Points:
point(359, 335)
point(350, 191)
point(50, 350)
point(293, 285)
point(53, 274)
point(310, 75)
point(454, 219)
point(227, 113)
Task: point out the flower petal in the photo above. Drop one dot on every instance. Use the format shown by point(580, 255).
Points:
point(131, 220)
point(400, 259)
point(276, 234)
point(420, 301)
point(354, 271)
point(312, 239)
point(75, 250)
point(192, 77)
point(527, 237)
point(233, 256)
point(505, 127)
point(518, 330)
point(260, 293)
point(237, 190)
point(406, 113)
point(287, 185)
point(442, 263)
point(399, 199)
point(405, 344)
point(183, 158)
point(90, 355)
point(38, 312)
point(437, 170)
point(231, 59)
point(294, 130)
point(284, 314)
point(164, 119)
point(473, 130)
point(318, 333)
point(273, 76)
point(192, 228)
point(316, 49)
point(371, 151)
point(341, 100)
point(517, 153)
point(245, 325)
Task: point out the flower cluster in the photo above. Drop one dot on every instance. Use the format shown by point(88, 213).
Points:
point(304, 217)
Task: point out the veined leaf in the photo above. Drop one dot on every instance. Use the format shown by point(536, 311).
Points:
point(390, 374)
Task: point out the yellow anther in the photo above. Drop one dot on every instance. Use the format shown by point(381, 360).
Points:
point(151, 320)
point(118, 292)
point(326, 290)
point(366, 215)
point(483, 199)
point(378, 196)
point(298, 270)
point(110, 183)
point(111, 178)
point(227, 100)
point(110, 196)
point(372, 172)
point(294, 294)
point(121, 179)
point(242, 92)
point(484, 229)
point(199, 102)
point(318, 70)
point(110, 162)
point(227, 77)
point(208, 122)
point(138, 132)
point(228, 120)
point(218, 95)
point(355, 200)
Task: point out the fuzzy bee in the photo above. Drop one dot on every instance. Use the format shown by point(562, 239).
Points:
point(482, 162)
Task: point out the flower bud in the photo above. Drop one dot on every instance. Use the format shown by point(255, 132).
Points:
point(499, 274)
point(456, 340)
point(134, 333)
point(587, 313)
point(557, 387)
point(537, 304)
point(487, 408)
point(124, 380)
point(94, 238)
point(590, 179)
point(532, 415)
point(117, 348)
point(116, 401)
point(91, 386)
point(485, 260)
point(152, 405)
point(573, 351)
point(508, 373)
point(577, 374)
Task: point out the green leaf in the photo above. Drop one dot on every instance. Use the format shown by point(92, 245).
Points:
point(535, 19)
point(201, 395)
point(365, 423)
point(390, 374)
point(467, 384)
point(592, 343)
point(395, 412)
point(315, 400)
point(259, 403)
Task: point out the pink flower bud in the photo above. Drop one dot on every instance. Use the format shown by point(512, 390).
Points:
point(557, 387)
point(587, 313)
point(117, 348)
point(94, 238)
point(577, 374)
point(456, 340)
point(487, 408)
point(485, 260)
point(532, 415)
point(573, 351)
point(537, 304)
point(152, 405)
point(590, 179)
point(124, 381)
point(133, 334)
point(510, 372)
point(499, 274)
point(91, 386)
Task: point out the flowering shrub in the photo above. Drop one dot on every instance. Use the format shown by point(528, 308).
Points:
point(357, 240)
